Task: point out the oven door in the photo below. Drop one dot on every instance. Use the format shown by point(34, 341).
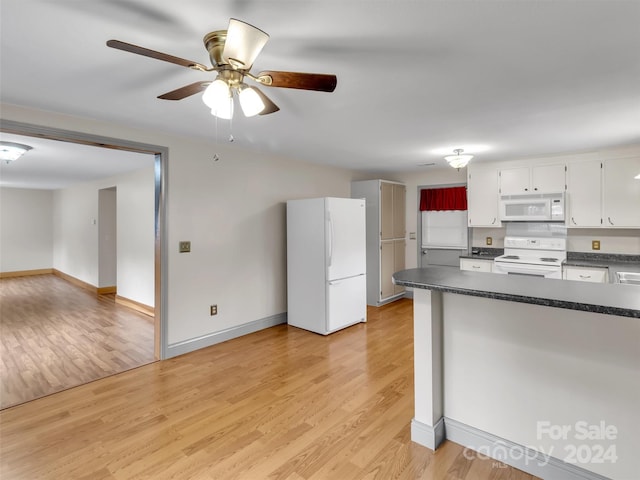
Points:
point(527, 269)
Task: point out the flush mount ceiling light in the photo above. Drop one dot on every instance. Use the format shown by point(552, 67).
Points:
point(10, 151)
point(458, 160)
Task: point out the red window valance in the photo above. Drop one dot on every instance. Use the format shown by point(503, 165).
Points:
point(450, 198)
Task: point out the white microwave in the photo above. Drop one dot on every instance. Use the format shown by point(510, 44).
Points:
point(535, 207)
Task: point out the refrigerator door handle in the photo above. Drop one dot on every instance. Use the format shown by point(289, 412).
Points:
point(330, 238)
point(338, 282)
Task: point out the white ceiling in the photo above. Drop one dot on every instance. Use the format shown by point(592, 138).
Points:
point(416, 79)
point(52, 165)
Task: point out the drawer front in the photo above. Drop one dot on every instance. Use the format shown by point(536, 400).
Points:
point(582, 274)
point(476, 265)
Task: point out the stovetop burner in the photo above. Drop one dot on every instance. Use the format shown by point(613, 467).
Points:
point(548, 259)
point(510, 257)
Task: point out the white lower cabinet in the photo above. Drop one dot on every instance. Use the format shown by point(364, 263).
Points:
point(476, 265)
point(585, 274)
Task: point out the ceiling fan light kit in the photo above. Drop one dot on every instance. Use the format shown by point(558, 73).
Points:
point(458, 160)
point(250, 102)
point(232, 53)
point(217, 96)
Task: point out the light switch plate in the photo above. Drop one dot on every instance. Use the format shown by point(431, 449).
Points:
point(185, 246)
point(595, 244)
point(489, 241)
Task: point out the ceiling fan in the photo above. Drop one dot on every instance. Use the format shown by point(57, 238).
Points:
point(232, 53)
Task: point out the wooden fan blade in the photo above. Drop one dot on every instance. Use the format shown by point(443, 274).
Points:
point(305, 81)
point(184, 92)
point(243, 44)
point(269, 106)
point(129, 47)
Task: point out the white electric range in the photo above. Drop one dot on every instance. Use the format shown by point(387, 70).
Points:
point(533, 256)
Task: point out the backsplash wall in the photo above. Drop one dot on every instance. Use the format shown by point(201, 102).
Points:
point(620, 241)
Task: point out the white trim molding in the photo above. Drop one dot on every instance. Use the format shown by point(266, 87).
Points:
point(526, 459)
point(426, 435)
point(197, 343)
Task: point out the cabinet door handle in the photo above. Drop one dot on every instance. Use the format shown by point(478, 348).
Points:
point(494, 221)
point(585, 276)
point(573, 220)
point(526, 189)
point(475, 266)
point(536, 189)
point(609, 218)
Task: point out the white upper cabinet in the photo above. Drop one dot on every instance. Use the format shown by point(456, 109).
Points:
point(621, 193)
point(533, 179)
point(584, 194)
point(601, 188)
point(514, 180)
point(482, 196)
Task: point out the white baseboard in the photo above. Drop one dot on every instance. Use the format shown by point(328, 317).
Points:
point(430, 437)
point(518, 456)
point(193, 344)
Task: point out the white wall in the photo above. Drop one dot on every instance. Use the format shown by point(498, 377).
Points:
point(76, 233)
point(508, 366)
point(26, 239)
point(623, 241)
point(135, 236)
point(233, 212)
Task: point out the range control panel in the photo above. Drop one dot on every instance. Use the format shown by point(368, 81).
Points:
point(536, 243)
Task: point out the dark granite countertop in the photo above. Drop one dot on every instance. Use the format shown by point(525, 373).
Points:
point(611, 299)
point(484, 253)
point(481, 256)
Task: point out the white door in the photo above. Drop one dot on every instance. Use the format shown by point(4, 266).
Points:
point(346, 238)
point(347, 300)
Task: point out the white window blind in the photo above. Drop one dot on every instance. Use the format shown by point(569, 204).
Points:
point(444, 229)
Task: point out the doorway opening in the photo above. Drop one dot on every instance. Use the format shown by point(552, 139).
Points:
point(107, 222)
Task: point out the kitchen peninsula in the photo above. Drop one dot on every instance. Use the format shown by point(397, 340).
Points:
point(519, 368)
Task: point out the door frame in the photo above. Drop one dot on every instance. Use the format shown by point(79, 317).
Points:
point(419, 217)
point(161, 154)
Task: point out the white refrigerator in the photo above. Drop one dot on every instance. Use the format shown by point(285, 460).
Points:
point(326, 263)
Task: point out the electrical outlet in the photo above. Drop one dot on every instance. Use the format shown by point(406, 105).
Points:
point(185, 246)
point(595, 244)
point(489, 241)
point(213, 310)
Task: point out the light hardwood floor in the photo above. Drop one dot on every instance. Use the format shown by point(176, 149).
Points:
point(55, 335)
point(281, 403)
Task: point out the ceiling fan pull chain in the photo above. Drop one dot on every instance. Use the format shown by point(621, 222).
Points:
point(231, 139)
point(216, 157)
